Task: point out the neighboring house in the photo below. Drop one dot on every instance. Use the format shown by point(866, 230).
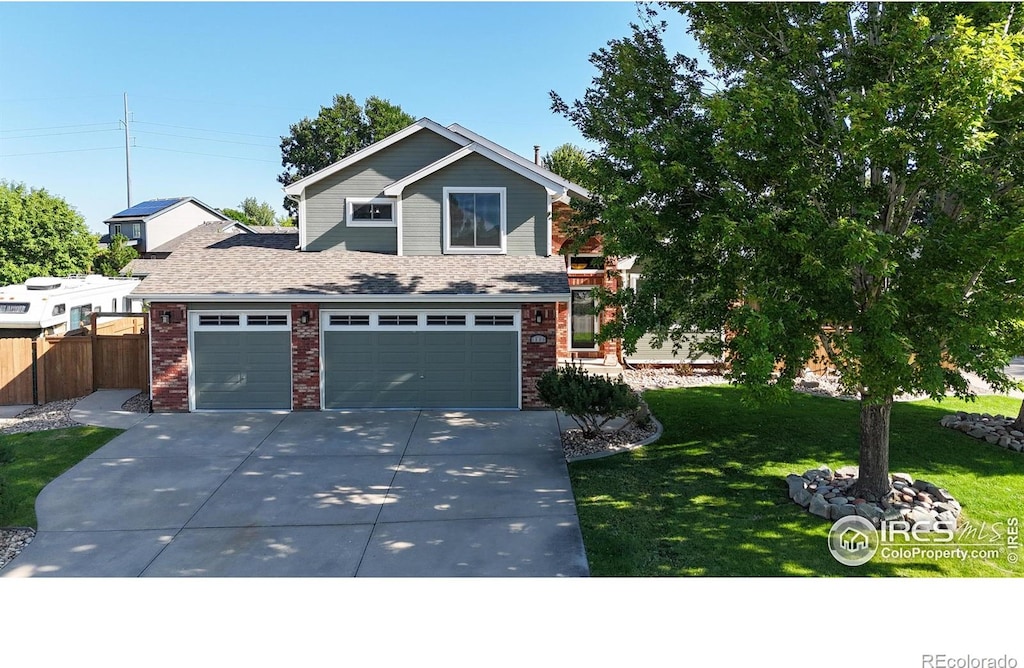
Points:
point(150, 226)
point(423, 273)
point(144, 266)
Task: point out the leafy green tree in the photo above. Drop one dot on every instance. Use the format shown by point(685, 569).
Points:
point(568, 161)
point(258, 213)
point(41, 235)
point(112, 259)
point(849, 172)
point(338, 131)
point(235, 214)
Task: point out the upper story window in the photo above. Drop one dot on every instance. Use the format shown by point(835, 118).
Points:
point(370, 212)
point(586, 263)
point(474, 220)
point(128, 230)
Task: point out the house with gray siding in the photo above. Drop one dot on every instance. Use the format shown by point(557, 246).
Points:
point(153, 226)
point(421, 274)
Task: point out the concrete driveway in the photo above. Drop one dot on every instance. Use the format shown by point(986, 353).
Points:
point(315, 494)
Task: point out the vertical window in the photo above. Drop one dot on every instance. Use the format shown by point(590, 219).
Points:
point(583, 320)
point(474, 220)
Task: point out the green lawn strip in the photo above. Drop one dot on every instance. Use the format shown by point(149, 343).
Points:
point(710, 497)
point(38, 458)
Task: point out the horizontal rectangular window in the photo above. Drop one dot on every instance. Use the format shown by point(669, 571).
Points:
point(370, 211)
point(14, 308)
point(446, 320)
point(58, 309)
point(265, 320)
point(220, 320)
point(397, 320)
point(495, 320)
point(350, 320)
point(586, 263)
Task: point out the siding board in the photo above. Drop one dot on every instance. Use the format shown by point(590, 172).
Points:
point(325, 200)
point(526, 207)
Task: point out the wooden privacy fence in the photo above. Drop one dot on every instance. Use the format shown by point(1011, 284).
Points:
point(62, 367)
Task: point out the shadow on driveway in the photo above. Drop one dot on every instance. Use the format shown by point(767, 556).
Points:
point(365, 493)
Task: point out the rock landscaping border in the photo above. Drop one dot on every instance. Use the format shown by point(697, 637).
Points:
point(577, 448)
point(830, 495)
point(993, 429)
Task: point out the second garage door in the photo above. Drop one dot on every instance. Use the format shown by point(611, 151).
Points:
point(425, 360)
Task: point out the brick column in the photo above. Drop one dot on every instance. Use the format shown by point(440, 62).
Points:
point(169, 345)
point(537, 357)
point(562, 330)
point(306, 358)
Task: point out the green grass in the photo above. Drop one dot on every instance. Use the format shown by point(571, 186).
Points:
point(38, 458)
point(710, 498)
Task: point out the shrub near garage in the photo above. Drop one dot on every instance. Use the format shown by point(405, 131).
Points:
point(591, 401)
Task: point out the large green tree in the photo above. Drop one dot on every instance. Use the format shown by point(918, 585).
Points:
point(568, 161)
point(848, 172)
point(41, 235)
point(337, 131)
point(112, 259)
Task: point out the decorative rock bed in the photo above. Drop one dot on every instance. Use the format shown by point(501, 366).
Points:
point(830, 495)
point(994, 429)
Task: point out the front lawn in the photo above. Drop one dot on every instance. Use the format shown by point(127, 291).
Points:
point(710, 498)
point(38, 458)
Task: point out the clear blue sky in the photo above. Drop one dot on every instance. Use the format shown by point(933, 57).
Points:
point(213, 86)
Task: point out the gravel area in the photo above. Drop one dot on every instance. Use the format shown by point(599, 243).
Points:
point(140, 403)
point(54, 415)
point(12, 542)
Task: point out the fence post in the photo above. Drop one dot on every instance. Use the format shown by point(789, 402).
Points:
point(35, 374)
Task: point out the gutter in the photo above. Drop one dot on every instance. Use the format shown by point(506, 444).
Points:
point(319, 297)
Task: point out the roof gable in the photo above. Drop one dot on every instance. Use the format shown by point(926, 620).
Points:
point(574, 188)
point(396, 188)
point(296, 187)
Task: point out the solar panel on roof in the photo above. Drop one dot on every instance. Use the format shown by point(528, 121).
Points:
point(147, 208)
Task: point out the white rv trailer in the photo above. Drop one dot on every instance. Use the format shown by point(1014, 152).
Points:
point(47, 306)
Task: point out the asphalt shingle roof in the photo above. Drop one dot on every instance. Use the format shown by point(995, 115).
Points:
point(210, 262)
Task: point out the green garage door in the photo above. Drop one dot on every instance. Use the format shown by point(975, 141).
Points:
point(242, 369)
point(421, 369)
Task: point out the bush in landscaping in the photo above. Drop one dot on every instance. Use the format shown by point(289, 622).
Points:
point(591, 401)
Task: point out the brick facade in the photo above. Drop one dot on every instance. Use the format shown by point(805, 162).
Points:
point(536, 357)
point(169, 344)
point(608, 279)
point(306, 357)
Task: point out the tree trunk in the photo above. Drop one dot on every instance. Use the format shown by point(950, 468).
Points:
point(1018, 424)
point(873, 481)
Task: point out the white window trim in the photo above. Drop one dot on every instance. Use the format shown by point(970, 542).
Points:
point(592, 272)
point(597, 324)
point(421, 320)
point(446, 222)
point(351, 202)
point(242, 321)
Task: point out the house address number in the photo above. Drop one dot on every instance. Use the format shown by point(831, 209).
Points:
point(538, 338)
